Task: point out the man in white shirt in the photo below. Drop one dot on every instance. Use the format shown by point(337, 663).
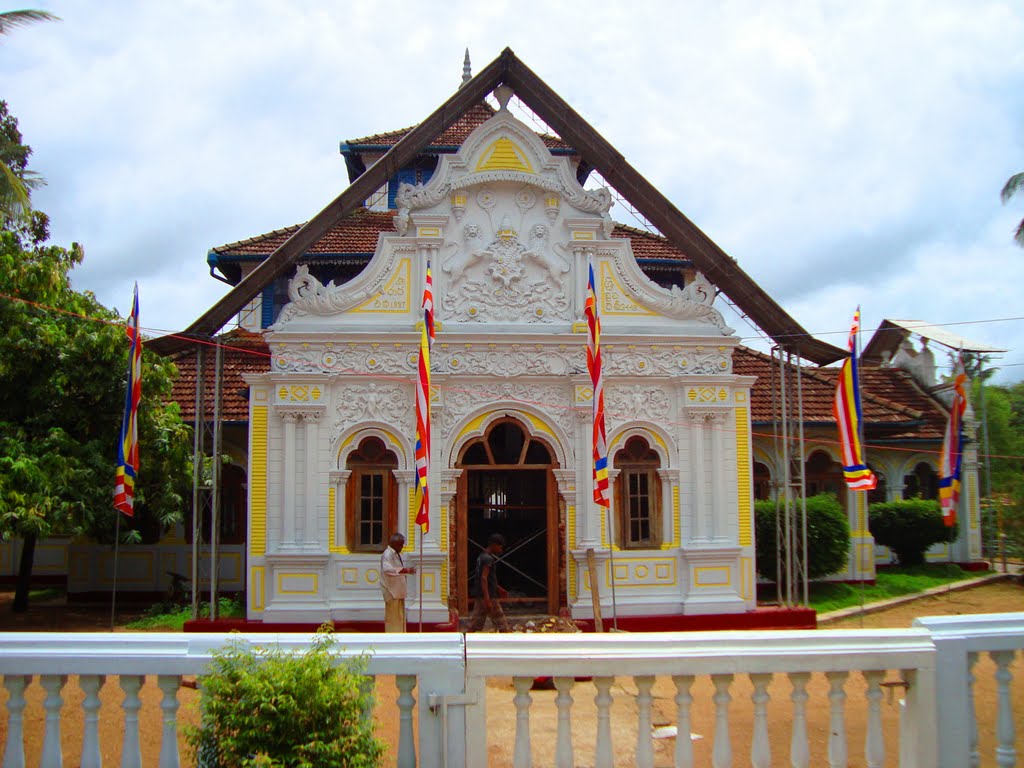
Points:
point(392, 584)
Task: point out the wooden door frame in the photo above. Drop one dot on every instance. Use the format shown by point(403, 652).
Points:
point(461, 533)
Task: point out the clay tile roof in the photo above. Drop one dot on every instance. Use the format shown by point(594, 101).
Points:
point(244, 352)
point(889, 398)
point(648, 245)
point(454, 135)
point(356, 233)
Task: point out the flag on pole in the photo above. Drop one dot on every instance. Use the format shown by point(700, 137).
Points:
point(952, 449)
point(423, 406)
point(128, 447)
point(601, 493)
point(846, 408)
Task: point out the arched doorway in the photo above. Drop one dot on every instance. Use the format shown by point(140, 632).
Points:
point(507, 487)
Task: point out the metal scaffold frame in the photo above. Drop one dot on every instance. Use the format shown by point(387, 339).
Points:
point(206, 505)
point(790, 480)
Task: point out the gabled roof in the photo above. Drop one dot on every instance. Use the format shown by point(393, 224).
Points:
point(453, 136)
point(358, 233)
point(894, 407)
point(717, 266)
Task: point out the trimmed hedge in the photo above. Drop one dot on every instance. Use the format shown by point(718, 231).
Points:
point(909, 527)
point(828, 536)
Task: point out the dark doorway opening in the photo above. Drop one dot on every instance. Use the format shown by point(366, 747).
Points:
point(507, 487)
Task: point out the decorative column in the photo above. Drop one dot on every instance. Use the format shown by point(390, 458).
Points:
point(582, 254)
point(566, 479)
point(616, 534)
point(719, 494)
point(288, 481)
point(587, 526)
point(311, 532)
point(696, 419)
point(406, 523)
point(670, 522)
point(338, 480)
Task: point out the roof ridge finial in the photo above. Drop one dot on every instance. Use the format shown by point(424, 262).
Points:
point(467, 70)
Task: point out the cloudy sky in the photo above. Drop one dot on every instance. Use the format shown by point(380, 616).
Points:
point(842, 152)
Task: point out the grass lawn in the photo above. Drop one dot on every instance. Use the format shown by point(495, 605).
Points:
point(890, 582)
point(164, 618)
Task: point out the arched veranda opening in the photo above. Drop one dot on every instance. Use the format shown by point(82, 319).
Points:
point(507, 486)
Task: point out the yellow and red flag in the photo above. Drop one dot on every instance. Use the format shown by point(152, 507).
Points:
point(423, 406)
point(846, 409)
point(601, 493)
point(128, 447)
point(952, 450)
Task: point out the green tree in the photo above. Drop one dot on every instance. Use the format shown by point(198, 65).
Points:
point(1012, 186)
point(63, 363)
point(16, 182)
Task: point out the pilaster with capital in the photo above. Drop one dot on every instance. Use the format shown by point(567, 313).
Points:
point(588, 533)
point(671, 525)
point(582, 255)
point(311, 527)
point(695, 426)
point(290, 419)
point(406, 479)
point(338, 479)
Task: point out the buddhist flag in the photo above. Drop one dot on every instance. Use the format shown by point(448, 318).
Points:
point(128, 447)
point(601, 494)
point(423, 406)
point(952, 449)
point(846, 408)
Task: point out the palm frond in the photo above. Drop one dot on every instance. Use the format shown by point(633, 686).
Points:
point(1012, 186)
point(14, 192)
point(11, 20)
point(1019, 234)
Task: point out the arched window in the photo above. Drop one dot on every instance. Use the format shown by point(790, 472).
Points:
point(762, 482)
point(638, 495)
point(372, 503)
point(823, 475)
point(922, 483)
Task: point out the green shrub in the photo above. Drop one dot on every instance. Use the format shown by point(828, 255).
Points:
point(828, 537)
point(909, 527)
point(268, 708)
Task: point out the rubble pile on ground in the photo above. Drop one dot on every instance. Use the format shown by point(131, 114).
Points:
point(548, 625)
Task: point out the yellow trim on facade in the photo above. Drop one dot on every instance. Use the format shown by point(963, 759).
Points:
point(473, 426)
point(582, 235)
point(580, 327)
point(540, 425)
point(410, 540)
point(973, 502)
point(333, 522)
point(570, 525)
point(504, 155)
point(394, 298)
point(746, 577)
point(257, 597)
point(862, 510)
point(676, 522)
point(428, 232)
point(700, 570)
point(258, 483)
point(617, 301)
point(444, 548)
point(314, 591)
point(743, 479)
point(867, 559)
point(629, 570)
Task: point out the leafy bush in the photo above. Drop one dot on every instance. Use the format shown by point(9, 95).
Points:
point(828, 537)
point(909, 527)
point(267, 708)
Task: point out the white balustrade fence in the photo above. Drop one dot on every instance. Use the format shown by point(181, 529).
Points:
point(761, 698)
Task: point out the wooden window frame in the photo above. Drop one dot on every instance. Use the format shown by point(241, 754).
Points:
point(384, 466)
point(631, 467)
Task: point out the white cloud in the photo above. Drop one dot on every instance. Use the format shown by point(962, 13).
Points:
point(843, 153)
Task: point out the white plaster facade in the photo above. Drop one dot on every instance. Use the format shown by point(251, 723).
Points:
point(508, 232)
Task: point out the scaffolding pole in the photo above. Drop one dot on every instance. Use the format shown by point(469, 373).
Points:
point(215, 474)
point(198, 449)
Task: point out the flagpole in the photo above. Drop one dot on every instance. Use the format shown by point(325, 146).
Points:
point(611, 566)
point(858, 571)
point(113, 591)
point(421, 576)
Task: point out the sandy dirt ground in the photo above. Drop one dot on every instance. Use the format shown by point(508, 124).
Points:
point(501, 713)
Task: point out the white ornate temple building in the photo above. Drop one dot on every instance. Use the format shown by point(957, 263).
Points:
point(317, 402)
